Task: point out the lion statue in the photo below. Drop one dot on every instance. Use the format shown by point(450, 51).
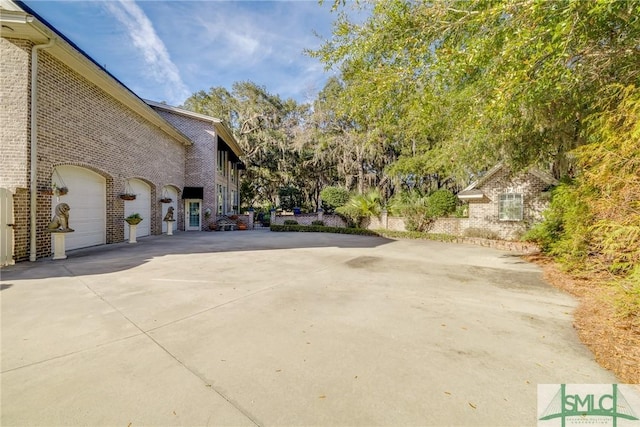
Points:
point(169, 215)
point(60, 221)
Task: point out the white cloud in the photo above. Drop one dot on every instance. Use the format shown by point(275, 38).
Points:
point(160, 67)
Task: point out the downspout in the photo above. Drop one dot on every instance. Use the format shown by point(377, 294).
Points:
point(33, 250)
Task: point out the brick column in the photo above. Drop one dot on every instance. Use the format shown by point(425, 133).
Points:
point(384, 219)
point(251, 213)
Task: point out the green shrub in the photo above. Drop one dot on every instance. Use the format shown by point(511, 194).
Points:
point(362, 206)
point(290, 197)
point(441, 203)
point(414, 207)
point(290, 222)
point(334, 197)
point(462, 211)
point(318, 223)
point(323, 229)
point(564, 232)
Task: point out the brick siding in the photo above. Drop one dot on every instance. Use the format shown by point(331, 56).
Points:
point(200, 158)
point(15, 102)
point(484, 215)
point(78, 124)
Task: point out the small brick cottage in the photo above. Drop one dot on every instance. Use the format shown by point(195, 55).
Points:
point(66, 122)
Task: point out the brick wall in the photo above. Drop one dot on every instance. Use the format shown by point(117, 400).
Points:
point(15, 102)
point(80, 124)
point(307, 219)
point(484, 215)
point(201, 159)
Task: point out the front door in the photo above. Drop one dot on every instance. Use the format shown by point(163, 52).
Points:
point(193, 218)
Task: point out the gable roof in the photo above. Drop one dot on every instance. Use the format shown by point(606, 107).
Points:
point(219, 126)
point(473, 192)
point(19, 21)
point(545, 177)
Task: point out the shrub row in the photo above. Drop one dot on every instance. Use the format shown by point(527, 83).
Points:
point(323, 229)
point(418, 235)
point(364, 232)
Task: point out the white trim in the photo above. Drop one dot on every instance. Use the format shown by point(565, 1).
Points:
point(188, 227)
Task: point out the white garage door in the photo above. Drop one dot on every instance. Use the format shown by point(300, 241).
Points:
point(172, 193)
point(141, 205)
point(87, 200)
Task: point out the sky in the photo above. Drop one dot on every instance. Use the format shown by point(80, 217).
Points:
point(166, 50)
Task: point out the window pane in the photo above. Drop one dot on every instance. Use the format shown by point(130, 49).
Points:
point(511, 207)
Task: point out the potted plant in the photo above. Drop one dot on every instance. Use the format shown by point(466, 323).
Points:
point(128, 193)
point(54, 190)
point(133, 219)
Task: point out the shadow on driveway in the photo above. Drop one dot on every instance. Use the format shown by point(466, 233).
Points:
point(122, 256)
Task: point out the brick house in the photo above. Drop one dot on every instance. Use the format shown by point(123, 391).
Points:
point(505, 203)
point(66, 122)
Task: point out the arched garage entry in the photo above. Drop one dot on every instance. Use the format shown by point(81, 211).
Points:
point(87, 200)
point(141, 205)
point(172, 193)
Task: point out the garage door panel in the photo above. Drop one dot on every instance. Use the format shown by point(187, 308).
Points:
point(87, 200)
point(141, 205)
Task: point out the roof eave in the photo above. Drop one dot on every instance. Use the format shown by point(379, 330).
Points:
point(220, 127)
point(33, 28)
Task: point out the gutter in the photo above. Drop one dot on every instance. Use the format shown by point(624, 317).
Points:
point(33, 250)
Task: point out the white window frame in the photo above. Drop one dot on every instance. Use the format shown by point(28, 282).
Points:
point(511, 207)
point(220, 200)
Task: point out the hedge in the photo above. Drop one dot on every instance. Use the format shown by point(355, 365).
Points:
point(323, 229)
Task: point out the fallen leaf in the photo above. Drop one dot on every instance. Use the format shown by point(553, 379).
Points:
point(174, 413)
point(446, 392)
point(278, 370)
point(443, 325)
point(472, 405)
point(322, 396)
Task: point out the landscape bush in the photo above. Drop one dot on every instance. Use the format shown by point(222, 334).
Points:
point(323, 229)
point(334, 197)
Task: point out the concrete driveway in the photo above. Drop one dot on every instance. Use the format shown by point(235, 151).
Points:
point(261, 328)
